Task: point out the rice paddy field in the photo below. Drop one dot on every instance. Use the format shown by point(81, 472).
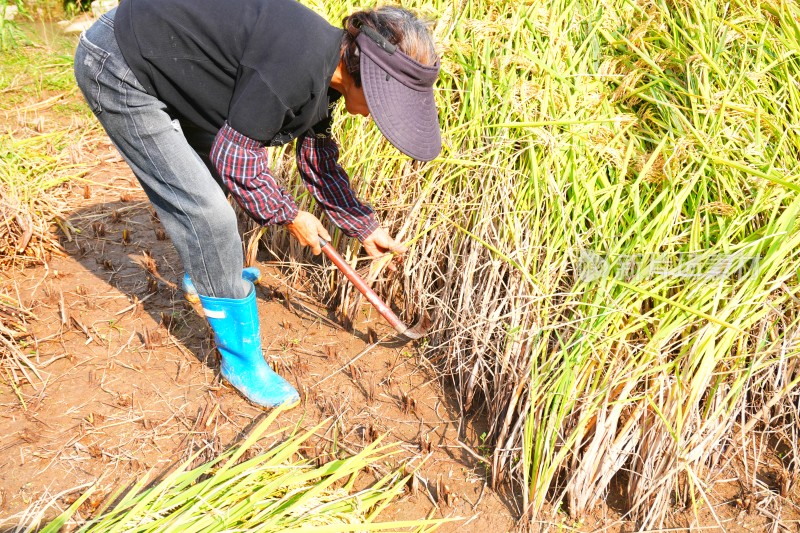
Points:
point(607, 249)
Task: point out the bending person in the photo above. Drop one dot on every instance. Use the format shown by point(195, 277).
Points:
point(191, 92)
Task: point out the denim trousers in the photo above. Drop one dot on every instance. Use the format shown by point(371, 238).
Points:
point(172, 169)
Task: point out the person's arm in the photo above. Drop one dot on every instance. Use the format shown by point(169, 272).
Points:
point(328, 182)
point(318, 163)
point(243, 164)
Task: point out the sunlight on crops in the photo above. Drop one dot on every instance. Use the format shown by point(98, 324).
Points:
point(608, 244)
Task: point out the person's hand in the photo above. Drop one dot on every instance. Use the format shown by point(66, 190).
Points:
point(307, 229)
point(379, 243)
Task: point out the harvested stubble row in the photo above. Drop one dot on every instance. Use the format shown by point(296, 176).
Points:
point(608, 243)
point(41, 147)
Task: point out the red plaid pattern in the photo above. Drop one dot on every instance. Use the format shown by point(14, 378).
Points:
point(327, 181)
point(244, 166)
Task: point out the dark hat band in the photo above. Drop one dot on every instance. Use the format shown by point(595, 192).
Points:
point(398, 65)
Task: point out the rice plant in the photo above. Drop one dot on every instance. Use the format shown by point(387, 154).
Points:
point(276, 490)
point(607, 244)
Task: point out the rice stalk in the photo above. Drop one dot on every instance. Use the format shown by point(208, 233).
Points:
point(277, 490)
point(17, 367)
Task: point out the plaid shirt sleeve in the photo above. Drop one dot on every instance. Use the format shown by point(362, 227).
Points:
point(327, 181)
point(243, 164)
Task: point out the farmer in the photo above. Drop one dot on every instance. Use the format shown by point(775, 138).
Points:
point(191, 92)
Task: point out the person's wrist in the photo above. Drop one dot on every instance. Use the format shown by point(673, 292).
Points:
point(371, 227)
point(291, 216)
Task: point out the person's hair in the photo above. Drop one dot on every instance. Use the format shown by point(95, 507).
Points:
point(399, 26)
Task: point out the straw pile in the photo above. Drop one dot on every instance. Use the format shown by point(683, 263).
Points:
point(32, 165)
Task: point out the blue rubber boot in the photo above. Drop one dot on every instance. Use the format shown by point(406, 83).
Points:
point(236, 332)
point(251, 274)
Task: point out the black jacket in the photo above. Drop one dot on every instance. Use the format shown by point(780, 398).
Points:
point(262, 65)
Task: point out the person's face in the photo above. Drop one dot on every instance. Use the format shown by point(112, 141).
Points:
point(354, 100)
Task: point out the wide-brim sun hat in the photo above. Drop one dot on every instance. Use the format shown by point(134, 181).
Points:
point(399, 93)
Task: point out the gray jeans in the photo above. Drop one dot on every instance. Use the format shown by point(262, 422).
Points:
point(187, 196)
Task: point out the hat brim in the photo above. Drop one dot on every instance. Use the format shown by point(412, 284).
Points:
point(405, 116)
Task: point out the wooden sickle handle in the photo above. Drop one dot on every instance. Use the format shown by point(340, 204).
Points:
point(362, 287)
